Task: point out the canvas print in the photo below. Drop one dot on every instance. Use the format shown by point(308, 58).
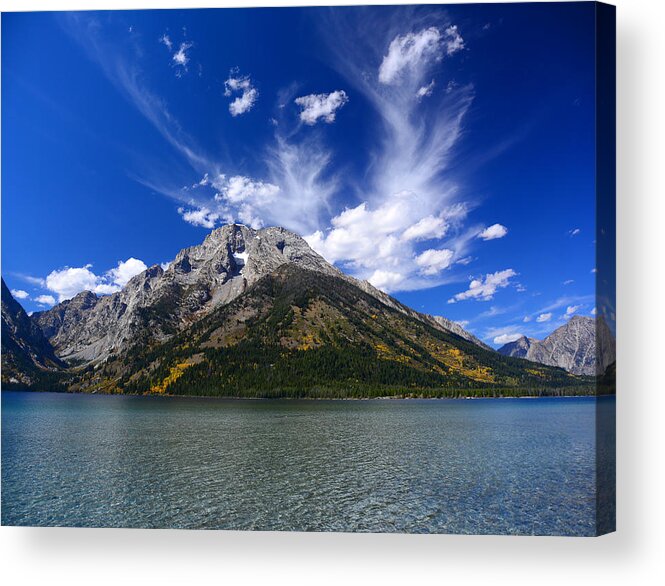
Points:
point(310, 269)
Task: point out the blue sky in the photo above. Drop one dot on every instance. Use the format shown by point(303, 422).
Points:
point(444, 153)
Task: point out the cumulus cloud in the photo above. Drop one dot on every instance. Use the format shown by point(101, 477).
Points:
point(425, 229)
point(69, 281)
point(240, 189)
point(20, 294)
point(45, 300)
point(379, 244)
point(122, 274)
point(432, 262)
point(493, 232)
point(240, 84)
point(235, 198)
point(543, 317)
point(386, 280)
point(414, 51)
point(321, 106)
point(507, 338)
point(202, 217)
point(483, 289)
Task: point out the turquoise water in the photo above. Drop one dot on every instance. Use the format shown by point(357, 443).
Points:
point(519, 466)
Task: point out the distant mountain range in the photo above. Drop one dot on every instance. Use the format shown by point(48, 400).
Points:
point(583, 346)
point(257, 313)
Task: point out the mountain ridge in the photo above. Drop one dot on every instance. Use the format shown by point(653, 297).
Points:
point(201, 278)
point(259, 313)
point(583, 345)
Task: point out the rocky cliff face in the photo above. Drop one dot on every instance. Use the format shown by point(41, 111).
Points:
point(26, 353)
point(519, 348)
point(157, 304)
point(582, 346)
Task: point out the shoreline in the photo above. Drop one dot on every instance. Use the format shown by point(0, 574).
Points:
point(236, 398)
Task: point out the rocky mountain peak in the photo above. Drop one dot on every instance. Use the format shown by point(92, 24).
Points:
point(158, 303)
point(583, 345)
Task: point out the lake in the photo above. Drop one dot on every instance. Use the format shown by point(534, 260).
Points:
point(516, 466)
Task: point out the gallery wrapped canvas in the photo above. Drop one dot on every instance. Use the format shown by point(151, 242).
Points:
point(310, 269)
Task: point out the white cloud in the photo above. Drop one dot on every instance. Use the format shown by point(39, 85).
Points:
point(571, 310)
point(593, 311)
point(493, 232)
point(69, 281)
point(527, 319)
point(45, 300)
point(507, 338)
point(452, 40)
point(574, 232)
point(321, 106)
point(483, 289)
point(240, 189)
point(462, 323)
point(414, 52)
point(166, 40)
point(180, 57)
point(386, 280)
point(425, 90)
point(20, 294)
point(594, 270)
point(543, 317)
point(432, 261)
point(568, 281)
point(425, 229)
point(235, 84)
point(202, 217)
point(405, 197)
point(379, 244)
point(126, 270)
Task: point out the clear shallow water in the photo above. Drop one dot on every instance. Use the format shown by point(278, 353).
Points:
point(522, 466)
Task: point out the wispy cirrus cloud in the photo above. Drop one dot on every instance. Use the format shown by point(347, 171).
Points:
point(407, 228)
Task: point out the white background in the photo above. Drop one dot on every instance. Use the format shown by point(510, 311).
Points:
point(633, 555)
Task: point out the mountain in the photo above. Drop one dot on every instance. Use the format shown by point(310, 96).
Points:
point(157, 304)
point(519, 348)
point(582, 346)
point(27, 357)
point(298, 333)
point(259, 313)
point(455, 328)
